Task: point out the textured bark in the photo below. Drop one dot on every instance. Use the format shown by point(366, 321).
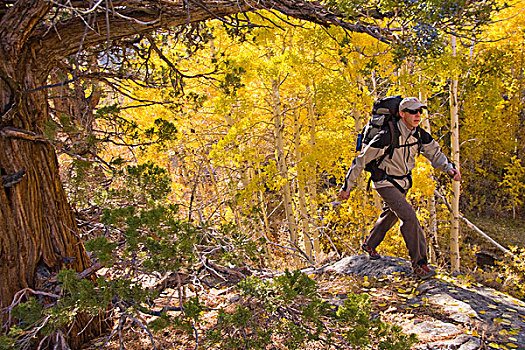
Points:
point(37, 227)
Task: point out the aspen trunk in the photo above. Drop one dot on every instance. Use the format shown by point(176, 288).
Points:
point(312, 180)
point(378, 203)
point(301, 179)
point(454, 127)
point(281, 163)
point(361, 181)
point(433, 247)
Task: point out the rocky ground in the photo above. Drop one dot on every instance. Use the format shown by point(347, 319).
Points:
point(445, 312)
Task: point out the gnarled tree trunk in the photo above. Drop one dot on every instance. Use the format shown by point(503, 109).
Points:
point(38, 232)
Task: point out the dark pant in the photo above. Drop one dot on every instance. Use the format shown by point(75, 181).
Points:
point(396, 206)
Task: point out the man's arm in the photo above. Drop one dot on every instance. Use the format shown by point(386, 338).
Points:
point(432, 151)
point(374, 150)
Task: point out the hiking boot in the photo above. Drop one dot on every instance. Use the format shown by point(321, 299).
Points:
point(372, 253)
point(424, 272)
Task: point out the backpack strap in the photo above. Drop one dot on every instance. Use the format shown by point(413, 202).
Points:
point(394, 139)
point(419, 141)
point(417, 135)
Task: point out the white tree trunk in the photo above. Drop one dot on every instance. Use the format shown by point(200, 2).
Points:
point(283, 168)
point(361, 181)
point(454, 127)
point(432, 222)
point(312, 182)
point(301, 186)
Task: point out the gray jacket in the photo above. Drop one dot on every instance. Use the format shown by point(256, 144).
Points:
point(403, 159)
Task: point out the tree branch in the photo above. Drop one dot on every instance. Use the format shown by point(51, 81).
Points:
point(128, 19)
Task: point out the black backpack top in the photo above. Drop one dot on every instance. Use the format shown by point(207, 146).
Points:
point(385, 113)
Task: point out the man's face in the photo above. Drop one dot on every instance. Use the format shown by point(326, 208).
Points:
point(411, 117)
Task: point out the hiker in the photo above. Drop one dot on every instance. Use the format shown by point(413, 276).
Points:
point(392, 179)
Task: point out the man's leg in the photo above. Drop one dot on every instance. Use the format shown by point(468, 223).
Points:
point(386, 220)
point(410, 228)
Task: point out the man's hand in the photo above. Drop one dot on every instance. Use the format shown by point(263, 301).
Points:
point(454, 174)
point(343, 195)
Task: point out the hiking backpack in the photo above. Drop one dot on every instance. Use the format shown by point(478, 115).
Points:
point(385, 114)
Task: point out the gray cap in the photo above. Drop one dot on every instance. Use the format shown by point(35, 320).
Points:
point(411, 103)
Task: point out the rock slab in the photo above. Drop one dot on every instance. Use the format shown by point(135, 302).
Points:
point(462, 311)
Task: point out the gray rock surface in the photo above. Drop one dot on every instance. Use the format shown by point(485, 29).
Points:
point(458, 312)
point(361, 265)
point(461, 342)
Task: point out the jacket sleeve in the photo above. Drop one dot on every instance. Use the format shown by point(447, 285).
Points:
point(374, 150)
point(432, 151)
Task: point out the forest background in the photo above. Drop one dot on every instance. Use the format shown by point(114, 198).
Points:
point(220, 156)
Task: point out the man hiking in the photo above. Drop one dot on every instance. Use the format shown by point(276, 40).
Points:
point(392, 179)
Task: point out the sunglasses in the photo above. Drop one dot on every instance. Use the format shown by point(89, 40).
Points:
point(414, 111)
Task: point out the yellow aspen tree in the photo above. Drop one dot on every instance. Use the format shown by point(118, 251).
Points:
point(432, 222)
point(301, 187)
point(278, 118)
point(360, 120)
point(454, 126)
point(310, 170)
point(377, 199)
